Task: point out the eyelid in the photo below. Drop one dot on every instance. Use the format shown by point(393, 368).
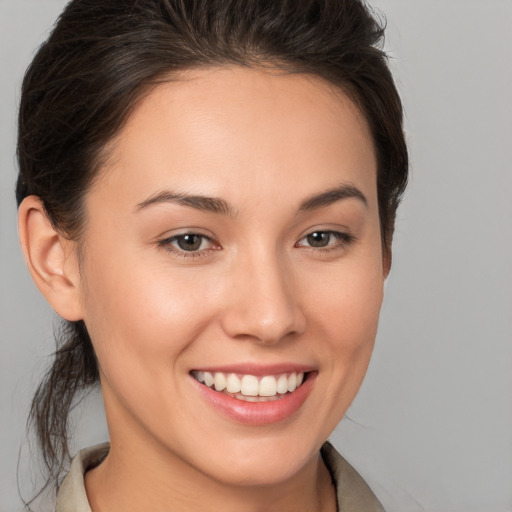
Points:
point(167, 243)
point(343, 239)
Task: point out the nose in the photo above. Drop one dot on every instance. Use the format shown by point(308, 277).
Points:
point(263, 302)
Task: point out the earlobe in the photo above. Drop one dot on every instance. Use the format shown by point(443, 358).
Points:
point(51, 259)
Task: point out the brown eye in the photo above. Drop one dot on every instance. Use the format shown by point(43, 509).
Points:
point(319, 239)
point(189, 242)
point(326, 240)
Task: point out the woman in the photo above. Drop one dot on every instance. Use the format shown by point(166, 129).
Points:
point(207, 195)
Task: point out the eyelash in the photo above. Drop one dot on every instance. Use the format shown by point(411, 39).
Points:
point(342, 240)
point(167, 244)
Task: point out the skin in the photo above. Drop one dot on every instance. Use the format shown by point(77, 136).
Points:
point(256, 291)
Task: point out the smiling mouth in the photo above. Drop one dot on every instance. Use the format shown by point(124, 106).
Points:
point(250, 388)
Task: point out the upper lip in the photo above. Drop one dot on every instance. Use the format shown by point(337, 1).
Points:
point(257, 369)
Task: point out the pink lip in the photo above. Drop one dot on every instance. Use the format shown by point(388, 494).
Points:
point(257, 370)
point(258, 413)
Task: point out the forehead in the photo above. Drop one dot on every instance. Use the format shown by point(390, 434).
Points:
point(248, 128)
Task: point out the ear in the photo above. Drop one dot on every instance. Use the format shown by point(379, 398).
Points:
point(51, 259)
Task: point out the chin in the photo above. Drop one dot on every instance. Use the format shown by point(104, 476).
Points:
point(263, 473)
point(260, 462)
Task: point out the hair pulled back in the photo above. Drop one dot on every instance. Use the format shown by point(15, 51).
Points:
point(104, 55)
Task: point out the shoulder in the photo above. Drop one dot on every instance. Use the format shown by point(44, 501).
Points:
point(71, 496)
point(354, 494)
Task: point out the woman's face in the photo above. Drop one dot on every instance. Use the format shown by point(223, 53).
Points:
point(234, 236)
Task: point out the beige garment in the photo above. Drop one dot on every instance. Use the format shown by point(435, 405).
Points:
point(353, 493)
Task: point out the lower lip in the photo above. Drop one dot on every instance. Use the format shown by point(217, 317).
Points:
point(258, 413)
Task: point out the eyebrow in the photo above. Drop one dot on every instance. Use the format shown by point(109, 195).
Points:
point(345, 191)
point(220, 206)
point(207, 204)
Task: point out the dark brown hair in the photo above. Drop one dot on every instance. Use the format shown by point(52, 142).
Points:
point(104, 55)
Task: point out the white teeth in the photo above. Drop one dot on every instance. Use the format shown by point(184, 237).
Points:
point(282, 384)
point(268, 386)
point(292, 382)
point(233, 384)
point(251, 398)
point(208, 378)
point(250, 387)
point(219, 381)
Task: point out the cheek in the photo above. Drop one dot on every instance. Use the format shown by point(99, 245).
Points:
point(138, 315)
point(348, 302)
point(141, 323)
point(346, 315)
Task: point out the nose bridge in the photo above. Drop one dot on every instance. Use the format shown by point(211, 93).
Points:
point(263, 304)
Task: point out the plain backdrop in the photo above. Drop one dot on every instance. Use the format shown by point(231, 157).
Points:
point(431, 429)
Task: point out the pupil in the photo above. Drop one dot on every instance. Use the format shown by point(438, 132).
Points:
point(318, 239)
point(189, 242)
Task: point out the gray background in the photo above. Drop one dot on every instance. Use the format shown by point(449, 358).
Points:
point(431, 429)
